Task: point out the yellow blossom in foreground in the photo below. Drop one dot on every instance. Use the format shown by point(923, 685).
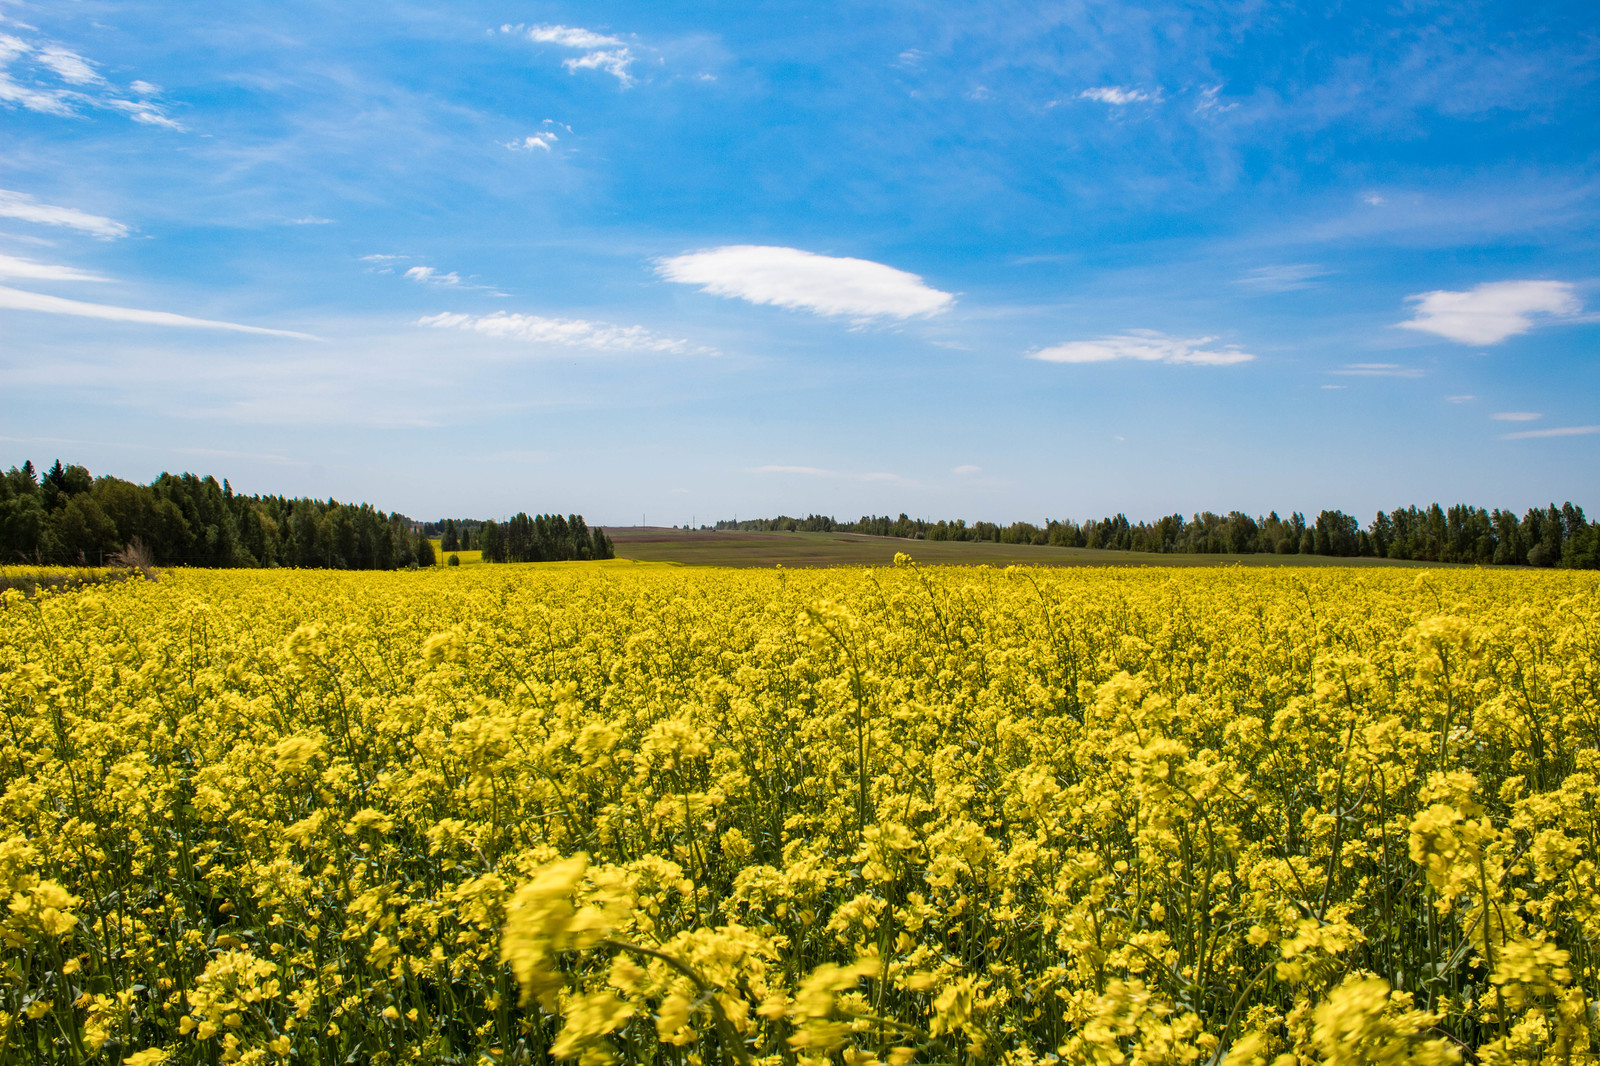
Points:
point(614, 812)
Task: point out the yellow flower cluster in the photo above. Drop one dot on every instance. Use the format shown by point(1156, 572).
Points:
point(603, 812)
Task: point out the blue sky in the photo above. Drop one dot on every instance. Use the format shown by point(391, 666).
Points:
point(1001, 261)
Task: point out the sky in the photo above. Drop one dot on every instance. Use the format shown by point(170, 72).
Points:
point(680, 262)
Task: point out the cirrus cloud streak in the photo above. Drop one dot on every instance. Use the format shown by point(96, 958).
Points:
point(1557, 431)
point(567, 332)
point(12, 266)
point(18, 300)
point(1145, 346)
point(21, 206)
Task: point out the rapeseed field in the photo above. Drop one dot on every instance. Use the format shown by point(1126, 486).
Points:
point(645, 814)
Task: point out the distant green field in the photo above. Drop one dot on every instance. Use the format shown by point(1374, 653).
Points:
point(694, 547)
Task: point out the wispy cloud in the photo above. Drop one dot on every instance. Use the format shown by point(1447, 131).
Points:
point(58, 81)
point(567, 332)
point(18, 300)
point(1491, 312)
point(600, 51)
point(1118, 95)
point(1516, 416)
point(421, 273)
point(1282, 278)
point(1459, 399)
point(1559, 431)
point(544, 141)
point(966, 470)
point(614, 62)
point(21, 206)
point(427, 275)
point(1378, 370)
point(16, 267)
point(573, 37)
point(805, 281)
point(1210, 102)
point(1145, 346)
point(69, 66)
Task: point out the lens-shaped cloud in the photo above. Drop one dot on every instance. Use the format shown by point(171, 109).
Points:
point(804, 281)
point(1489, 313)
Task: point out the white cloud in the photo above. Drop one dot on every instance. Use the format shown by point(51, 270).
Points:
point(78, 84)
point(538, 140)
point(1560, 431)
point(1374, 200)
point(17, 300)
point(43, 101)
point(1335, 386)
point(966, 470)
point(1491, 312)
point(1459, 399)
point(22, 206)
point(568, 332)
point(69, 66)
point(310, 220)
point(1516, 416)
point(614, 61)
point(1117, 95)
point(429, 276)
point(1144, 345)
point(1378, 370)
point(601, 51)
point(142, 111)
point(572, 37)
point(800, 280)
point(1283, 278)
point(15, 267)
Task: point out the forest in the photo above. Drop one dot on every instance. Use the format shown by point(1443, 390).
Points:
point(523, 538)
point(1552, 536)
point(68, 517)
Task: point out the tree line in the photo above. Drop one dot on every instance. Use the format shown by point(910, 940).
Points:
point(68, 517)
point(545, 538)
point(1552, 536)
point(523, 538)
